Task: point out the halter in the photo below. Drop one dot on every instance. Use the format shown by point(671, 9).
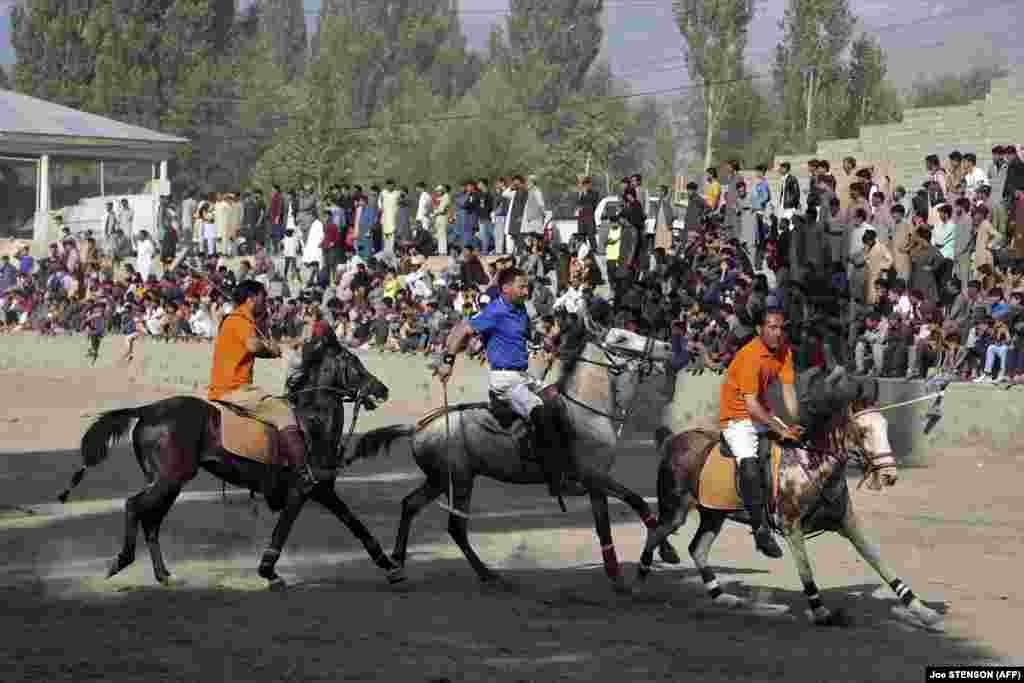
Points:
point(348, 395)
point(843, 455)
point(615, 367)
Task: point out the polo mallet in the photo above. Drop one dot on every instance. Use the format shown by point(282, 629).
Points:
point(450, 507)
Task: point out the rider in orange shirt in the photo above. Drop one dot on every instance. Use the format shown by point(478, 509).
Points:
point(745, 414)
point(239, 343)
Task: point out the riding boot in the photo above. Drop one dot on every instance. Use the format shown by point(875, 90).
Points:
point(748, 471)
point(292, 449)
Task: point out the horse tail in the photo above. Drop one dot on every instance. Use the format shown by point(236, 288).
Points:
point(377, 440)
point(108, 429)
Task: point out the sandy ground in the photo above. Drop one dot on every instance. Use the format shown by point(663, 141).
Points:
point(953, 530)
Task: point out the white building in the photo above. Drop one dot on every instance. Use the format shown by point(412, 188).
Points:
point(54, 158)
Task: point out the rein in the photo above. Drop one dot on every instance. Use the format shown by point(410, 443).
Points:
point(614, 369)
point(356, 398)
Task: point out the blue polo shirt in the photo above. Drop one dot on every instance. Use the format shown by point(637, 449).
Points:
point(505, 329)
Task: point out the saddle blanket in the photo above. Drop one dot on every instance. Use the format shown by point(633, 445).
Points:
point(717, 489)
point(247, 437)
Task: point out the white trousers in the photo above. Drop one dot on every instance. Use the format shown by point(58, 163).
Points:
point(743, 437)
point(518, 389)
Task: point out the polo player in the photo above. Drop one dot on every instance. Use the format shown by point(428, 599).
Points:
point(505, 327)
point(239, 343)
point(745, 414)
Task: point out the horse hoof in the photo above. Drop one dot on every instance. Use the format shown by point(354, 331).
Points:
point(396, 575)
point(168, 580)
point(620, 586)
point(277, 584)
point(668, 554)
point(833, 618)
point(925, 616)
point(643, 571)
point(729, 601)
point(117, 565)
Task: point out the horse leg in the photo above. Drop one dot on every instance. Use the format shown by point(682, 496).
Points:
point(293, 506)
point(458, 529)
point(869, 551)
point(672, 514)
point(602, 523)
point(326, 495)
point(822, 615)
point(426, 494)
point(153, 505)
point(711, 522)
point(131, 531)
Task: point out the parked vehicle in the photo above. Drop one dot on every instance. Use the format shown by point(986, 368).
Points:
point(562, 222)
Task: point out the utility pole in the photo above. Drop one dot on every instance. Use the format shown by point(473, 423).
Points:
point(809, 73)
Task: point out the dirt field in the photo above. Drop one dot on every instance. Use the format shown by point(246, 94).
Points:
point(953, 530)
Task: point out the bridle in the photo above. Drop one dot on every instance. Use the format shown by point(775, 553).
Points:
point(617, 362)
point(355, 396)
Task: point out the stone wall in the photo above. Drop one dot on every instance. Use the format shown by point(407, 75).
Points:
point(975, 127)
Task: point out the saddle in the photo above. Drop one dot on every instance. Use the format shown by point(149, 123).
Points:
point(718, 489)
point(504, 421)
point(244, 434)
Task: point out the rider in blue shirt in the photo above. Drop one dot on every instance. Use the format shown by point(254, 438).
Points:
point(505, 328)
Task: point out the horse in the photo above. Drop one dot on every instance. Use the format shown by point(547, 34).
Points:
point(812, 498)
point(171, 439)
point(596, 391)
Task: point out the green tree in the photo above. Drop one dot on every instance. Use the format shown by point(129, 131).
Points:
point(665, 154)
point(716, 33)
point(284, 23)
point(547, 48)
point(947, 90)
point(422, 35)
point(808, 70)
point(869, 98)
point(319, 142)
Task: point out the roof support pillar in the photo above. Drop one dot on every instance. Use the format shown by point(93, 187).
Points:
point(41, 227)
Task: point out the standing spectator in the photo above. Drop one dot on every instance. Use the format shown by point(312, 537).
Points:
point(145, 251)
point(790, 191)
point(900, 248)
point(331, 246)
point(277, 220)
point(389, 198)
point(586, 211)
point(125, 219)
point(983, 238)
point(313, 253)
point(442, 203)
point(486, 212)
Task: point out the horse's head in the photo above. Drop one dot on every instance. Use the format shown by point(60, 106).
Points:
point(327, 363)
point(869, 436)
point(635, 357)
point(879, 463)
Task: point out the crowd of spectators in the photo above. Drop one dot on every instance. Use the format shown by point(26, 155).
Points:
point(885, 282)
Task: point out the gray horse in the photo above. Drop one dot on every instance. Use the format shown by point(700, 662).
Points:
point(596, 391)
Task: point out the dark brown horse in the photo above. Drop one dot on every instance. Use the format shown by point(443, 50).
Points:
point(173, 438)
point(813, 497)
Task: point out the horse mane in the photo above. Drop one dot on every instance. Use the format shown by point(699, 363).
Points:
point(828, 405)
point(314, 352)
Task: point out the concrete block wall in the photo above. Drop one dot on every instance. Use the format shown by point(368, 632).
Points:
point(975, 127)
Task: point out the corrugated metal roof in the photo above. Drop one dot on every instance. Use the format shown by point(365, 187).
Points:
point(24, 115)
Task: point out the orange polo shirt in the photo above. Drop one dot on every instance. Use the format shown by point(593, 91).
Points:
point(751, 371)
point(232, 361)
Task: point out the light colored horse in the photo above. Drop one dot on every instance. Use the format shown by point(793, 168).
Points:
point(597, 389)
point(813, 497)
